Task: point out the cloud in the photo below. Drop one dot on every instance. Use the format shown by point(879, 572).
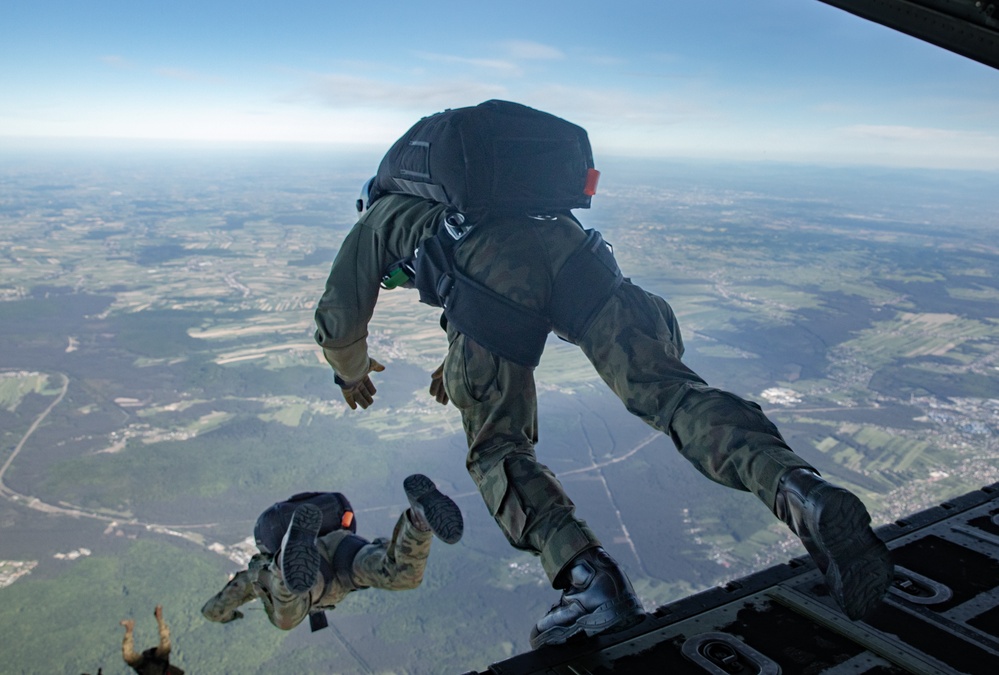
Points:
point(833, 108)
point(515, 54)
point(615, 61)
point(906, 134)
point(186, 75)
point(348, 91)
point(618, 107)
point(496, 65)
point(373, 103)
point(524, 50)
point(176, 74)
point(617, 116)
point(610, 112)
point(170, 73)
point(116, 61)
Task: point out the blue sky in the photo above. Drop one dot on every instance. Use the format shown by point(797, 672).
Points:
point(727, 79)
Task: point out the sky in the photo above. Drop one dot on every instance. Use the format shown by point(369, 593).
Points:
point(780, 80)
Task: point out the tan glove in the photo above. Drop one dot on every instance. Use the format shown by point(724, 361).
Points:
point(362, 392)
point(437, 385)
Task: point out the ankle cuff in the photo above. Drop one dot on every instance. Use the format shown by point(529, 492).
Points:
point(564, 546)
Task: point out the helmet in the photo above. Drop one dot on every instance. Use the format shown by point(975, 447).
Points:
point(364, 199)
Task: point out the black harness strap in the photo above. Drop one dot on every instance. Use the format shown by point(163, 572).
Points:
point(340, 569)
point(343, 561)
point(584, 284)
point(498, 324)
point(318, 621)
point(588, 278)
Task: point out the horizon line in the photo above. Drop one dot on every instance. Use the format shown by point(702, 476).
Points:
point(128, 143)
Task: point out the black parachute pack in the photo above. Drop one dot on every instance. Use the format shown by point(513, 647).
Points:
point(496, 157)
point(272, 524)
point(486, 162)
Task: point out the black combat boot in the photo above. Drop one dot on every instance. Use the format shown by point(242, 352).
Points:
point(431, 510)
point(300, 557)
point(835, 528)
point(598, 598)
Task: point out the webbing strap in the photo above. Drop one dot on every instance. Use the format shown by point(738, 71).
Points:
point(343, 561)
point(586, 281)
point(317, 620)
point(339, 569)
point(504, 327)
point(498, 324)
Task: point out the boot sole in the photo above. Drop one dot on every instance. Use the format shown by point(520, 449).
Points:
point(611, 617)
point(860, 569)
point(441, 512)
point(300, 557)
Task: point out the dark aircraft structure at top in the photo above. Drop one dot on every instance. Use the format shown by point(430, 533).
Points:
point(966, 27)
point(941, 614)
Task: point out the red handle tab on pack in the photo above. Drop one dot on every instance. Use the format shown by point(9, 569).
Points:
point(592, 176)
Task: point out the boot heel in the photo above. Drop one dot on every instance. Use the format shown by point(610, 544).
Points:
point(299, 554)
point(437, 509)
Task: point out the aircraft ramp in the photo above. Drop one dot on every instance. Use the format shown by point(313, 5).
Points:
point(940, 616)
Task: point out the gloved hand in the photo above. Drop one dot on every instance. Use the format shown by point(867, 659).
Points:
point(362, 392)
point(437, 385)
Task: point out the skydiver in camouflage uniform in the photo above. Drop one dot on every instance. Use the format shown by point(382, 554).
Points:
point(310, 573)
point(633, 340)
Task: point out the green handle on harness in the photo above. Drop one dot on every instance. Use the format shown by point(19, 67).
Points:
point(395, 278)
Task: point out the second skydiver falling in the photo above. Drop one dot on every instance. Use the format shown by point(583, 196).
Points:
point(310, 559)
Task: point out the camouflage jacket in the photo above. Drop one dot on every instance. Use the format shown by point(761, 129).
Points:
point(388, 232)
point(262, 580)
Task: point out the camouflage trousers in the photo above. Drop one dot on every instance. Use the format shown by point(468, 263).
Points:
point(393, 564)
point(635, 345)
